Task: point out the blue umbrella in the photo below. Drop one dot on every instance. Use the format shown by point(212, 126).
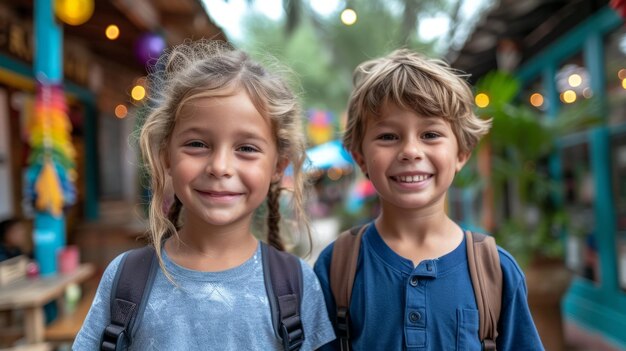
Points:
point(327, 155)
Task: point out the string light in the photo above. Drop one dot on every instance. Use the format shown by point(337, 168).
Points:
point(536, 99)
point(569, 96)
point(112, 32)
point(138, 92)
point(482, 100)
point(348, 17)
point(575, 80)
point(121, 111)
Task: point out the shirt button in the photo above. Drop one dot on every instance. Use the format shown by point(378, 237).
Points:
point(414, 317)
point(414, 280)
point(429, 267)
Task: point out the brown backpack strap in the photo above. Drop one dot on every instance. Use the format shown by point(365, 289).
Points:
point(486, 274)
point(342, 272)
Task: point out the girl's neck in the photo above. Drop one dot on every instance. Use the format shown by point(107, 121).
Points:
point(211, 249)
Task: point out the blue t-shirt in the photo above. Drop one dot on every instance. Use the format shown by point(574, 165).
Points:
point(396, 306)
point(226, 310)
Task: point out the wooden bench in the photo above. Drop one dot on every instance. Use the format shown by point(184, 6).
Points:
point(65, 327)
point(31, 347)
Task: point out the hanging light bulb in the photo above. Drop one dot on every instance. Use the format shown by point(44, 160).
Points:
point(74, 12)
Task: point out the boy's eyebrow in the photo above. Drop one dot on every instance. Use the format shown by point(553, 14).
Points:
point(384, 122)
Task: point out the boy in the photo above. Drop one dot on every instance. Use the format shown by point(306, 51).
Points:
point(410, 129)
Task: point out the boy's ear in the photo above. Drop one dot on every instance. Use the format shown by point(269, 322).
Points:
point(462, 159)
point(281, 165)
point(360, 160)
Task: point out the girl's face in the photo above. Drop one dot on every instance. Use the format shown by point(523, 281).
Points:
point(222, 157)
point(410, 159)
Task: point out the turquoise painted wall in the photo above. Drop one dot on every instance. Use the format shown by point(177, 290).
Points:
point(598, 306)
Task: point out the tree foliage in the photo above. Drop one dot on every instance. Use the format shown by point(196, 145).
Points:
point(323, 52)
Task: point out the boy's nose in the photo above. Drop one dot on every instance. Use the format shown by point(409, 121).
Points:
point(411, 150)
point(220, 164)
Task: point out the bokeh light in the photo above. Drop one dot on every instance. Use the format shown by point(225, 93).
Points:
point(482, 100)
point(569, 96)
point(138, 92)
point(121, 111)
point(536, 99)
point(73, 12)
point(348, 17)
point(112, 32)
point(334, 173)
point(575, 80)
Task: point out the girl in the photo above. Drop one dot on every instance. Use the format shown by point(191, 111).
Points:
point(221, 132)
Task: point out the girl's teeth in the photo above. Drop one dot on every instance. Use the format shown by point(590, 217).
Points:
point(412, 179)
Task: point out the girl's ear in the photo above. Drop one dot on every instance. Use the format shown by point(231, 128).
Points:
point(165, 161)
point(462, 159)
point(281, 165)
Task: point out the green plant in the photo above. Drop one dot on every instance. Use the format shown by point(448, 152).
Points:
point(522, 145)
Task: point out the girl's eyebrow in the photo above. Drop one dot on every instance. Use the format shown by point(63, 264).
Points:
point(245, 134)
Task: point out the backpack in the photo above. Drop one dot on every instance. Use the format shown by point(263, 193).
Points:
point(135, 276)
point(485, 272)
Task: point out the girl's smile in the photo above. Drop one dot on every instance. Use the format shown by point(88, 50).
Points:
point(222, 159)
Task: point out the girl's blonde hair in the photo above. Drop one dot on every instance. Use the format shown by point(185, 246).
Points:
point(429, 87)
point(206, 68)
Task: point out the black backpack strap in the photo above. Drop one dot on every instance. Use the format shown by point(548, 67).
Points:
point(283, 284)
point(129, 294)
point(342, 272)
point(486, 273)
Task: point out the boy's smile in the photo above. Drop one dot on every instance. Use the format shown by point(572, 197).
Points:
point(410, 159)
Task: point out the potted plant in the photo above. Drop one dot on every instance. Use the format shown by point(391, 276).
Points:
point(529, 220)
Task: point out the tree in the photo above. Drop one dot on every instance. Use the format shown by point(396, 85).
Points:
point(323, 52)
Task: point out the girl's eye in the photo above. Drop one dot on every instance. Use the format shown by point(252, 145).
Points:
point(195, 144)
point(248, 148)
point(387, 136)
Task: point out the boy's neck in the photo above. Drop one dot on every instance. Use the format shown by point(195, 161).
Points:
point(421, 236)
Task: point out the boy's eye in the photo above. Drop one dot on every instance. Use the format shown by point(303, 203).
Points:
point(387, 136)
point(247, 148)
point(431, 135)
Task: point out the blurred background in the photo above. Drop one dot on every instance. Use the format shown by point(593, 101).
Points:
point(549, 181)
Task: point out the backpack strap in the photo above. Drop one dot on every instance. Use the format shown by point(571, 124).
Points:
point(486, 274)
point(283, 284)
point(342, 271)
point(130, 291)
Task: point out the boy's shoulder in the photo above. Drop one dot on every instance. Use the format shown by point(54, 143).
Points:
point(511, 271)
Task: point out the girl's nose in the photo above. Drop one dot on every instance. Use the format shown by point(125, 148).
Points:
point(220, 164)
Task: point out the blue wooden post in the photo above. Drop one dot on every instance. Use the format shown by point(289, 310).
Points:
point(49, 230)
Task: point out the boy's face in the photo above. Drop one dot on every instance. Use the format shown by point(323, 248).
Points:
point(410, 159)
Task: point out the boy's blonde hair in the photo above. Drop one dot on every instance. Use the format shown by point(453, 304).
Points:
point(429, 87)
point(201, 69)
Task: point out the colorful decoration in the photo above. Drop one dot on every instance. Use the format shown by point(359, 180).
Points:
point(320, 128)
point(51, 172)
point(149, 47)
point(359, 193)
point(619, 6)
point(74, 12)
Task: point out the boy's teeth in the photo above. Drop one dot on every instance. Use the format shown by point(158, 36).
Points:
point(412, 179)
